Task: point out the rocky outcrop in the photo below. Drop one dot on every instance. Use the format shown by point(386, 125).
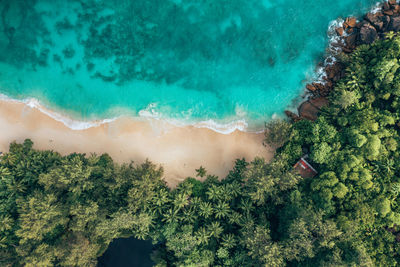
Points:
point(376, 20)
point(368, 34)
point(291, 115)
point(350, 23)
point(351, 41)
point(353, 33)
point(309, 110)
point(394, 23)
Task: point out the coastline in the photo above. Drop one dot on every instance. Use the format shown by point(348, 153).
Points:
point(180, 150)
point(345, 36)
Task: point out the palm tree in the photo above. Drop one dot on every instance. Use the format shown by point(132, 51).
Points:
point(6, 223)
point(390, 35)
point(203, 235)
point(215, 229)
point(234, 189)
point(206, 209)
point(201, 172)
point(221, 210)
point(13, 186)
point(160, 201)
point(180, 201)
point(4, 172)
point(246, 205)
point(234, 217)
point(189, 216)
point(228, 240)
point(213, 192)
point(171, 216)
point(396, 189)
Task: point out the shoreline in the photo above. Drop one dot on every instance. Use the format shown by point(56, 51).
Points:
point(180, 150)
point(345, 36)
point(76, 124)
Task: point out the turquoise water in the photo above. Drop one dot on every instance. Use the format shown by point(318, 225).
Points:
point(187, 60)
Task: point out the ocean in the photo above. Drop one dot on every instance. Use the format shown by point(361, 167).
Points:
point(222, 64)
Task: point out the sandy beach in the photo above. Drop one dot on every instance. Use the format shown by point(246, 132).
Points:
point(180, 150)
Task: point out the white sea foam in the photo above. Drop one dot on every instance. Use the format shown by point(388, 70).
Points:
point(67, 121)
point(148, 114)
point(377, 8)
point(227, 128)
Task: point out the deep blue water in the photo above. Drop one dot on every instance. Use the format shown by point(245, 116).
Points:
point(187, 60)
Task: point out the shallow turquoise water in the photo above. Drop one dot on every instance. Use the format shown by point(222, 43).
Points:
point(187, 60)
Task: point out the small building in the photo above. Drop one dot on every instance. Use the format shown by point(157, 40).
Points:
point(304, 168)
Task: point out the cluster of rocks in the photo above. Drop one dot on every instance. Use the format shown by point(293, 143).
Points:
point(353, 33)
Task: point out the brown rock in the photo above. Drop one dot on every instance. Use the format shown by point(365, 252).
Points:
point(396, 9)
point(386, 6)
point(359, 25)
point(350, 30)
point(339, 31)
point(392, 2)
point(351, 22)
point(386, 21)
point(368, 34)
point(319, 102)
point(347, 50)
point(388, 12)
point(334, 71)
point(375, 20)
point(318, 86)
point(351, 40)
point(311, 88)
point(308, 111)
point(394, 24)
point(292, 115)
point(336, 44)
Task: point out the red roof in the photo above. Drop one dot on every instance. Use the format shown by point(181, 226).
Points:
point(305, 169)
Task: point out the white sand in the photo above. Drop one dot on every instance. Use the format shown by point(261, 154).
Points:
point(180, 150)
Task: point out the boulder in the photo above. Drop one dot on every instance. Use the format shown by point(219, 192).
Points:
point(334, 71)
point(339, 31)
point(292, 115)
point(386, 22)
point(351, 22)
point(319, 102)
point(368, 34)
point(394, 24)
point(351, 40)
point(308, 111)
point(396, 9)
point(347, 50)
point(388, 12)
point(311, 88)
point(375, 20)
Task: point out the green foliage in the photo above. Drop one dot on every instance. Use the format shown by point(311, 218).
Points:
point(277, 132)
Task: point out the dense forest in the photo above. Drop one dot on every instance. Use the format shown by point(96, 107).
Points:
point(65, 210)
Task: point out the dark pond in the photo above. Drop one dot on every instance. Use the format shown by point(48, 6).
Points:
point(127, 252)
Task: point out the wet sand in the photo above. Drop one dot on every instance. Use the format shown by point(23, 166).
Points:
point(180, 150)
